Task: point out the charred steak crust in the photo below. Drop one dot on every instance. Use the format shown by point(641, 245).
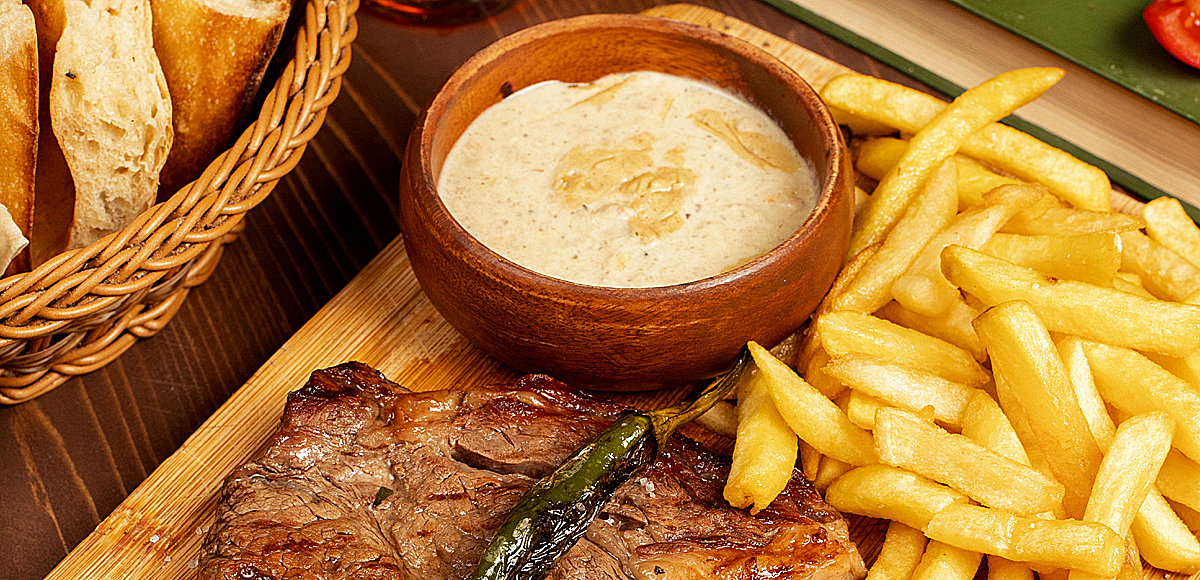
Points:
point(366, 480)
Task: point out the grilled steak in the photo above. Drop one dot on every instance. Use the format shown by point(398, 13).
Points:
point(366, 480)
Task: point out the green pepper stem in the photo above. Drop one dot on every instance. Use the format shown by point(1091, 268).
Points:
point(667, 420)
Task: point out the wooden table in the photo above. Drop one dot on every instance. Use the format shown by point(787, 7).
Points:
point(72, 455)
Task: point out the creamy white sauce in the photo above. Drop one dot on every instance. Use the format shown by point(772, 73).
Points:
point(638, 179)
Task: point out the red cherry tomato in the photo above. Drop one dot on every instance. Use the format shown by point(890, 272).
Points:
point(1176, 26)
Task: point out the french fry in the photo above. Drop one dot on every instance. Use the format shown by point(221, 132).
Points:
point(1022, 353)
point(1178, 480)
point(1127, 473)
point(1131, 283)
point(986, 424)
point(860, 199)
point(1092, 258)
point(1065, 221)
point(858, 125)
point(821, 380)
point(876, 156)
point(946, 562)
point(844, 278)
point(861, 409)
point(1070, 544)
point(829, 471)
point(1187, 515)
point(901, 552)
point(1186, 368)
point(1133, 384)
point(927, 215)
point(1002, 569)
point(1163, 539)
point(953, 326)
point(985, 476)
point(1169, 225)
point(1017, 153)
point(922, 288)
point(1078, 308)
point(880, 491)
point(843, 333)
point(900, 386)
point(1131, 569)
point(1070, 350)
point(938, 139)
point(1164, 273)
point(814, 418)
point(1011, 408)
point(764, 452)
point(810, 460)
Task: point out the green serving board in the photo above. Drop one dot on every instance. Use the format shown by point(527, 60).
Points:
point(1107, 37)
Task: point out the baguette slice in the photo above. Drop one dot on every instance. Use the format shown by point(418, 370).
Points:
point(214, 54)
point(18, 131)
point(54, 191)
point(111, 113)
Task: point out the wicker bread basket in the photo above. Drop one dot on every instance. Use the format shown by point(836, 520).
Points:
point(81, 309)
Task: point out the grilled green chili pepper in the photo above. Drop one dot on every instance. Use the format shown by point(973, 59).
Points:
point(555, 513)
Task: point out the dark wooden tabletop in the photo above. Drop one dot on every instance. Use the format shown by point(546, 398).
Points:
point(69, 457)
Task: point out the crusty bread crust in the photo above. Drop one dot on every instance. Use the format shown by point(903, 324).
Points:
point(18, 125)
point(213, 53)
point(54, 191)
point(111, 112)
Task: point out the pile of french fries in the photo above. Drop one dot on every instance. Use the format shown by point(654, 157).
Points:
point(1005, 367)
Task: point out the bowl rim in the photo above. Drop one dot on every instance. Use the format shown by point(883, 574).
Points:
point(531, 280)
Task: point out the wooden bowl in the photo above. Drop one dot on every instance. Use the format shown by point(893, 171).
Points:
point(622, 338)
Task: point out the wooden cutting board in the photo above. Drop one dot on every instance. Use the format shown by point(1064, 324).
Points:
point(382, 319)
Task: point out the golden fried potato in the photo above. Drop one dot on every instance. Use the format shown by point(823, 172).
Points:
point(984, 422)
point(953, 326)
point(901, 552)
point(1169, 225)
point(924, 219)
point(876, 156)
point(844, 333)
point(1129, 469)
point(923, 288)
point(1023, 354)
point(1133, 384)
point(1092, 258)
point(946, 562)
point(1069, 544)
point(906, 442)
point(764, 452)
point(1164, 273)
point(900, 386)
point(1163, 539)
point(1086, 310)
point(1017, 153)
point(935, 141)
point(812, 416)
point(881, 491)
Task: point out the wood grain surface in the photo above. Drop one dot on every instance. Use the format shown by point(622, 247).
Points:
point(72, 456)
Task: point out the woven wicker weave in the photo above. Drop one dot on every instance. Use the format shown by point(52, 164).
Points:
point(83, 308)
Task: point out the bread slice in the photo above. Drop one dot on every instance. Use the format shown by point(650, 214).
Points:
point(54, 192)
point(18, 129)
point(214, 54)
point(111, 113)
